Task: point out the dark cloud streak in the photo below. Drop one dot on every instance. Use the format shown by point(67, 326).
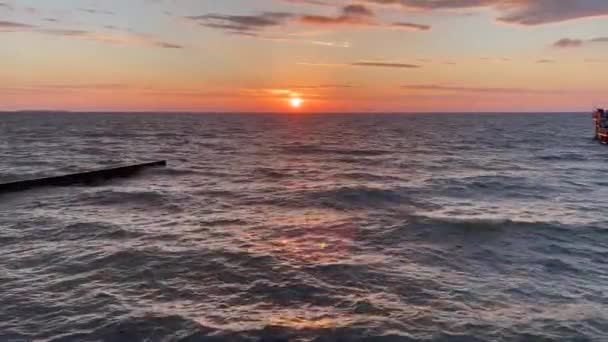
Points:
point(521, 12)
point(241, 24)
point(411, 26)
point(116, 38)
point(463, 89)
point(576, 43)
point(385, 65)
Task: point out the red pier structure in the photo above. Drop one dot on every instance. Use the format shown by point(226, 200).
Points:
point(600, 117)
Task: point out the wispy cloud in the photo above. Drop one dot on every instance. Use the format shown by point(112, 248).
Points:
point(63, 88)
point(311, 2)
point(575, 43)
point(318, 64)
point(241, 24)
point(351, 15)
point(323, 86)
point(496, 59)
point(522, 12)
point(96, 11)
point(410, 26)
point(11, 26)
point(568, 43)
point(545, 61)
point(371, 64)
point(599, 40)
point(77, 86)
point(385, 65)
point(6, 6)
point(464, 89)
point(251, 25)
point(115, 37)
point(293, 39)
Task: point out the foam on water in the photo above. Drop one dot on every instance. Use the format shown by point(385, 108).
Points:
point(310, 227)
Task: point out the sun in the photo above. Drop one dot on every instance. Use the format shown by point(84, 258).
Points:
point(295, 102)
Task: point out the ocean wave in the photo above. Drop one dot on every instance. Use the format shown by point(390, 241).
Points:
point(270, 173)
point(482, 224)
point(177, 172)
point(365, 176)
point(564, 156)
point(141, 199)
point(91, 231)
point(289, 293)
point(144, 328)
point(559, 266)
point(357, 197)
point(495, 185)
point(217, 222)
point(313, 149)
point(305, 228)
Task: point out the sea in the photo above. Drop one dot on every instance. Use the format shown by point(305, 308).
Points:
point(305, 227)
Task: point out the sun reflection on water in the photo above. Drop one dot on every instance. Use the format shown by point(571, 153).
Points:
point(315, 237)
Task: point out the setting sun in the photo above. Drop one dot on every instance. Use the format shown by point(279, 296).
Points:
point(295, 102)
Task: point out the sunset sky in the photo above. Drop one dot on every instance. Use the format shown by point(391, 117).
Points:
point(336, 55)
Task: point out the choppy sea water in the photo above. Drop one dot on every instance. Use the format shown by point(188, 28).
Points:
point(422, 227)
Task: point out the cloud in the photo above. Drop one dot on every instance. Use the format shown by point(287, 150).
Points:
point(357, 11)
point(96, 11)
point(536, 12)
point(63, 88)
point(241, 24)
point(568, 43)
point(168, 45)
point(115, 38)
point(496, 59)
point(331, 44)
point(96, 86)
point(575, 43)
point(323, 86)
point(385, 65)
point(545, 61)
point(463, 89)
point(292, 39)
point(11, 26)
point(521, 12)
point(351, 15)
point(252, 25)
point(310, 2)
point(599, 40)
point(322, 64)
point(112, 37)
point(411, 26)
point(372, 64)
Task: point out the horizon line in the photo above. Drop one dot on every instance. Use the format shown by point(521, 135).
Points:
point(48, 111)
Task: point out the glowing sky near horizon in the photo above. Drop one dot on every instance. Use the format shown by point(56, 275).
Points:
point(336, 55)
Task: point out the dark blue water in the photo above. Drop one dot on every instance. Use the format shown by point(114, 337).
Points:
point(306, 227)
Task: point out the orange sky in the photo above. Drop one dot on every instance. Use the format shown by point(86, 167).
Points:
point(338, 56)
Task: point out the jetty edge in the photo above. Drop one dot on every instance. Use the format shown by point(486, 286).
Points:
point(89, 177)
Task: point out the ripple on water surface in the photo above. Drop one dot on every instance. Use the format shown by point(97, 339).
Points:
point(308, 228)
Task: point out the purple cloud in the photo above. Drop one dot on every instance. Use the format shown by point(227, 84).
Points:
point(522, 12)
point(575, 43)
point(411, 26)
point(568, 43)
